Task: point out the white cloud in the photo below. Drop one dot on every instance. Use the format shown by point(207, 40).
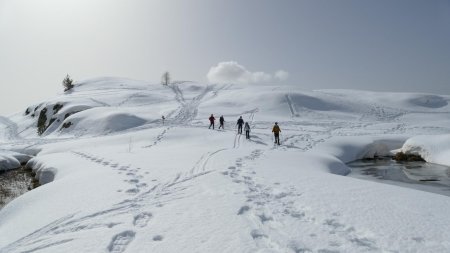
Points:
point(233, 72)
point(281, 75)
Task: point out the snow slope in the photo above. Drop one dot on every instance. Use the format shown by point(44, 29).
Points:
point(118, 180)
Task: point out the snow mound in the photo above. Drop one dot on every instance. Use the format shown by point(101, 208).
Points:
point(43, 173)
point(434, 149)
point(312, 103)
point(8, 162)
point(12, 160)
point(125, 103)
point(429, 101)
point(99, 121)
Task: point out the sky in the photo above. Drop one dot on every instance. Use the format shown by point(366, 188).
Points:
point(379, 45)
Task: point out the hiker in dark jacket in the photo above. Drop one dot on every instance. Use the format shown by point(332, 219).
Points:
point(239, 123)
point(276, 132)
point(221, 121)
point(247, 130)
point(211, 121)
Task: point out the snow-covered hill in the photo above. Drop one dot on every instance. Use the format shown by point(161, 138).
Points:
point(116, 179)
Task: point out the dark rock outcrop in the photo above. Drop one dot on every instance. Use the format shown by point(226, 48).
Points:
point(402, 157)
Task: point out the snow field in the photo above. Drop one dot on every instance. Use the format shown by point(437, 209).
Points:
point(119, 180)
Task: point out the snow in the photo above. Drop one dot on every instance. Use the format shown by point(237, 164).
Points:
point(119, 180)
point(434, 149)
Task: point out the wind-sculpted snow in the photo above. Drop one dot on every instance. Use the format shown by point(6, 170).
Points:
point(434, 149)
point(429, 101)
point(12, 160)
point(44, 174)
point(8, 162)
point(102, 120)
point(312, 103)
point(119, 179)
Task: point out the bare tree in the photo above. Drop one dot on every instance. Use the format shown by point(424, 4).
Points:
point(67, 83)
point(165, 78)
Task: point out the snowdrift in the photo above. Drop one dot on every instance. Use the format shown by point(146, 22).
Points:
point(433, 149)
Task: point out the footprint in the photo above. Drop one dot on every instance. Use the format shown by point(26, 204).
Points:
point(327, 251)
point(265, 218)
point(298, 215)
point(132, 191)
point(142, 219)
point(233, 175)
point(120, 241)
point(418, 239)
point(243, 209)
point(256, 234)
point(333, 223)
point(297, 247)
point(363, 242)
point(281, 195)
point(158, 238)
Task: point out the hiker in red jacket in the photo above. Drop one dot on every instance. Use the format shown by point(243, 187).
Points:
point(211, 121)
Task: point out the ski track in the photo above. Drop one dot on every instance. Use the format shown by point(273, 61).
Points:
point(128, 99)
point(9, 130)
point(100, 102)
point(187, 110)
point(291, 105)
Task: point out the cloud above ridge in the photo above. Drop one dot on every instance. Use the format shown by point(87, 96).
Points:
point(233, 72)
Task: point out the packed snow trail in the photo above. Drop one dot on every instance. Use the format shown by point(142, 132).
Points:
point(188, 109)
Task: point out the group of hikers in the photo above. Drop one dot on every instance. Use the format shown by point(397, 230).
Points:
point(240, 124)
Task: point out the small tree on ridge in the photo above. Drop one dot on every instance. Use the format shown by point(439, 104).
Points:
point(165, 78)
point(67, 83)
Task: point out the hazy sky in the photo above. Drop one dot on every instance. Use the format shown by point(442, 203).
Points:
point(401, 45)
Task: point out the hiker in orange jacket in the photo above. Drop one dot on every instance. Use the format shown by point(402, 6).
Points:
point(276, 132)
